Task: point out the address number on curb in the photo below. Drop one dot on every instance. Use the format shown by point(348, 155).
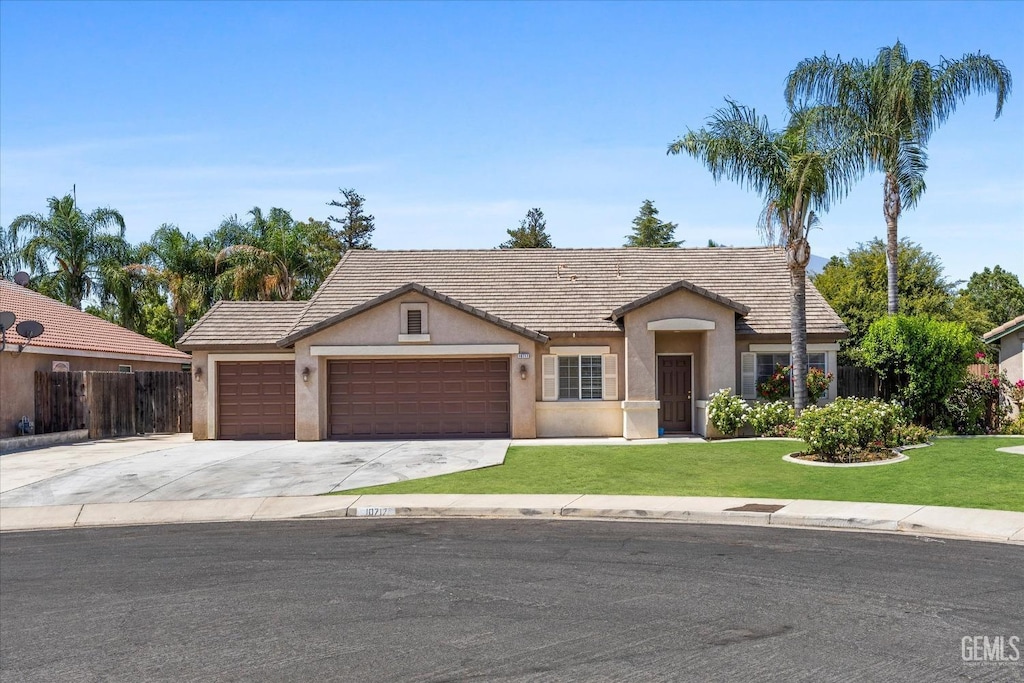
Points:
point(374, 512)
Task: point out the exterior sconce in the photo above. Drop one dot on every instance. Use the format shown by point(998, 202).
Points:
point(198, 373)
point(522, 371)
point(305, 374)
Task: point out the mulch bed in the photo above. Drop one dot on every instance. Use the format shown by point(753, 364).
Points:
point(870, 455)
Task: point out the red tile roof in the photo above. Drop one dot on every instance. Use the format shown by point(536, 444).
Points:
point(69, 328)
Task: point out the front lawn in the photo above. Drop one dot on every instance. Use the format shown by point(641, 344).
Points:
point(953, 472)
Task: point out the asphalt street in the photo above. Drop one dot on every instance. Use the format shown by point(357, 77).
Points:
point(454, 600)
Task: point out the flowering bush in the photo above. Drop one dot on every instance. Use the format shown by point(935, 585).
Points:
point(848, 425)
point(1015, 392)
point(976, 405)
point(774, 418)
point(777, 386)
point(817, 384)
point(725, 411)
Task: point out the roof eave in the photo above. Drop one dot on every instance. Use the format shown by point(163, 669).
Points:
point(679, 285)
point(290, 340)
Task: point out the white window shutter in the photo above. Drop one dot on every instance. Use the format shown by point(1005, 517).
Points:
point(610, 385)
point(549, 377)
point(748, 374)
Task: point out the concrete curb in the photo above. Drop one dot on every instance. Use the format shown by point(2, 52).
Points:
point(962, 523)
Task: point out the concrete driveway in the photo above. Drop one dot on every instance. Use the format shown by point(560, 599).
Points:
point(176, 468)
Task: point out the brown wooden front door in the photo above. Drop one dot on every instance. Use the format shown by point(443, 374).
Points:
point(675, 377)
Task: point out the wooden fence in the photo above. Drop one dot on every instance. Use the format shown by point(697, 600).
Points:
point(982, 369)
point(113, 403)
point(852, 381)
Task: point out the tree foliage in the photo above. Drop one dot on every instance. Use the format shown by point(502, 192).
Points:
point(798, 171)
point(919, 360)
point(898, 103)
point(998, 293)
point(65, 247)
point(355, 227)
point(531, 233)
point(651, 231)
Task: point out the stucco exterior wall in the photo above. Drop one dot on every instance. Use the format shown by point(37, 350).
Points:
point(1011, 357)
point(578, 418)
point(380, 327)
point(17, 379)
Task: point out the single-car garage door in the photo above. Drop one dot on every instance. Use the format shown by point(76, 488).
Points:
point(256, 400)
point(419, 398)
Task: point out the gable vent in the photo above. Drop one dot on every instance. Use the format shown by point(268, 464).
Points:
point(414, 321)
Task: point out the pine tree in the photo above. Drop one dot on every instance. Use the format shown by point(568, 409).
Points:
point(531, 233)
point(651, 231)
point(355, 227)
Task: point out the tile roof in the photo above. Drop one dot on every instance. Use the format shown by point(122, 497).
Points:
point(573, 290)
point(242, 323)
point(65, 327)
point(412, 287)
point(1003, 330)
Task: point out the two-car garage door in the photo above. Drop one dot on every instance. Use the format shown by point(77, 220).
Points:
point(370, 399)
point(418, 398)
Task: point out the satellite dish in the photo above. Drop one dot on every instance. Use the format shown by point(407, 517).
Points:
point(21, 277)
point(7, 320)
point(29, 329)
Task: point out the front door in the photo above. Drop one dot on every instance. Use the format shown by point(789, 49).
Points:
point(675, 377)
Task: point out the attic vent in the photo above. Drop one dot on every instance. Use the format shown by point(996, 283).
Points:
point(414, 321)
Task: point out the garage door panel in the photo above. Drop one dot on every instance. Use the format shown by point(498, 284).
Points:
point(419, 398)
point(256, 400)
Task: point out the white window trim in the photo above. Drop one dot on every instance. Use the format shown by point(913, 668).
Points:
point(787, 348)
point(609, 375)
point(681, 325)
point(579, 350)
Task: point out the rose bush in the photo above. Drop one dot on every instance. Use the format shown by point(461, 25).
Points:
point(726, 412)
point(838, 431)
point(773, 418)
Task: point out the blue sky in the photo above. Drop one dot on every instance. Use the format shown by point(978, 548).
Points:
point(454, 119)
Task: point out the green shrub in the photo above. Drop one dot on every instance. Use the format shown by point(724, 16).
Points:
point(1015, 427)
point(919, 360)
point(817, 384)
point(974, 406)
point(908, 434)
point(725, 411)
point(848, 425)
point(771, 418)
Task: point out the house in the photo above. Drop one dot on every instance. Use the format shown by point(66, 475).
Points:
point(71, 340)
point(522, 343)
point(497, 343)
point(1009, 337)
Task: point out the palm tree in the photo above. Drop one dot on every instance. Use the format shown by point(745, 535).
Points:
point(76, 241)
point(277, 257)
point(900, 103)
point(183, 266)
point(122, 290)
point(798, 171)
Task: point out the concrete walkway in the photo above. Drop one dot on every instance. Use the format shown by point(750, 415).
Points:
point(175, 468)
point(963, 523)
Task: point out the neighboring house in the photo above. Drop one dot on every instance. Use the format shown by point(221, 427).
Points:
point(1009, 337)
point(522, 343)
point(72, 340)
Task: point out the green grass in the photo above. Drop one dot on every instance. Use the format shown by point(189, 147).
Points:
point(953, 472)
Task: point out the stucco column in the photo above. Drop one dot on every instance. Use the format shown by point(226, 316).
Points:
point(200, 395)
point(640, 409)
point(523, 393)
point(309, 425)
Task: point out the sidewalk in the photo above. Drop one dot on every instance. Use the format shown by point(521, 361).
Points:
point(963, 523)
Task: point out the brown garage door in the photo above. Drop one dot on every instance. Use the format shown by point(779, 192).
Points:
point(419, 398)
point(256, 400)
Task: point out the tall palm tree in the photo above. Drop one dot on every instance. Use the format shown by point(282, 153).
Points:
point(74, 240)
point(798, 171)
point(277, 257)
point(10, 253)
point(122, 290)
point(183, 266)
point(900, 103)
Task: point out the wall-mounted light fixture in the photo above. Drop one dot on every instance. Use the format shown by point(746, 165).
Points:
point(522, 371)
point(305, 374)
point(198, 372)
